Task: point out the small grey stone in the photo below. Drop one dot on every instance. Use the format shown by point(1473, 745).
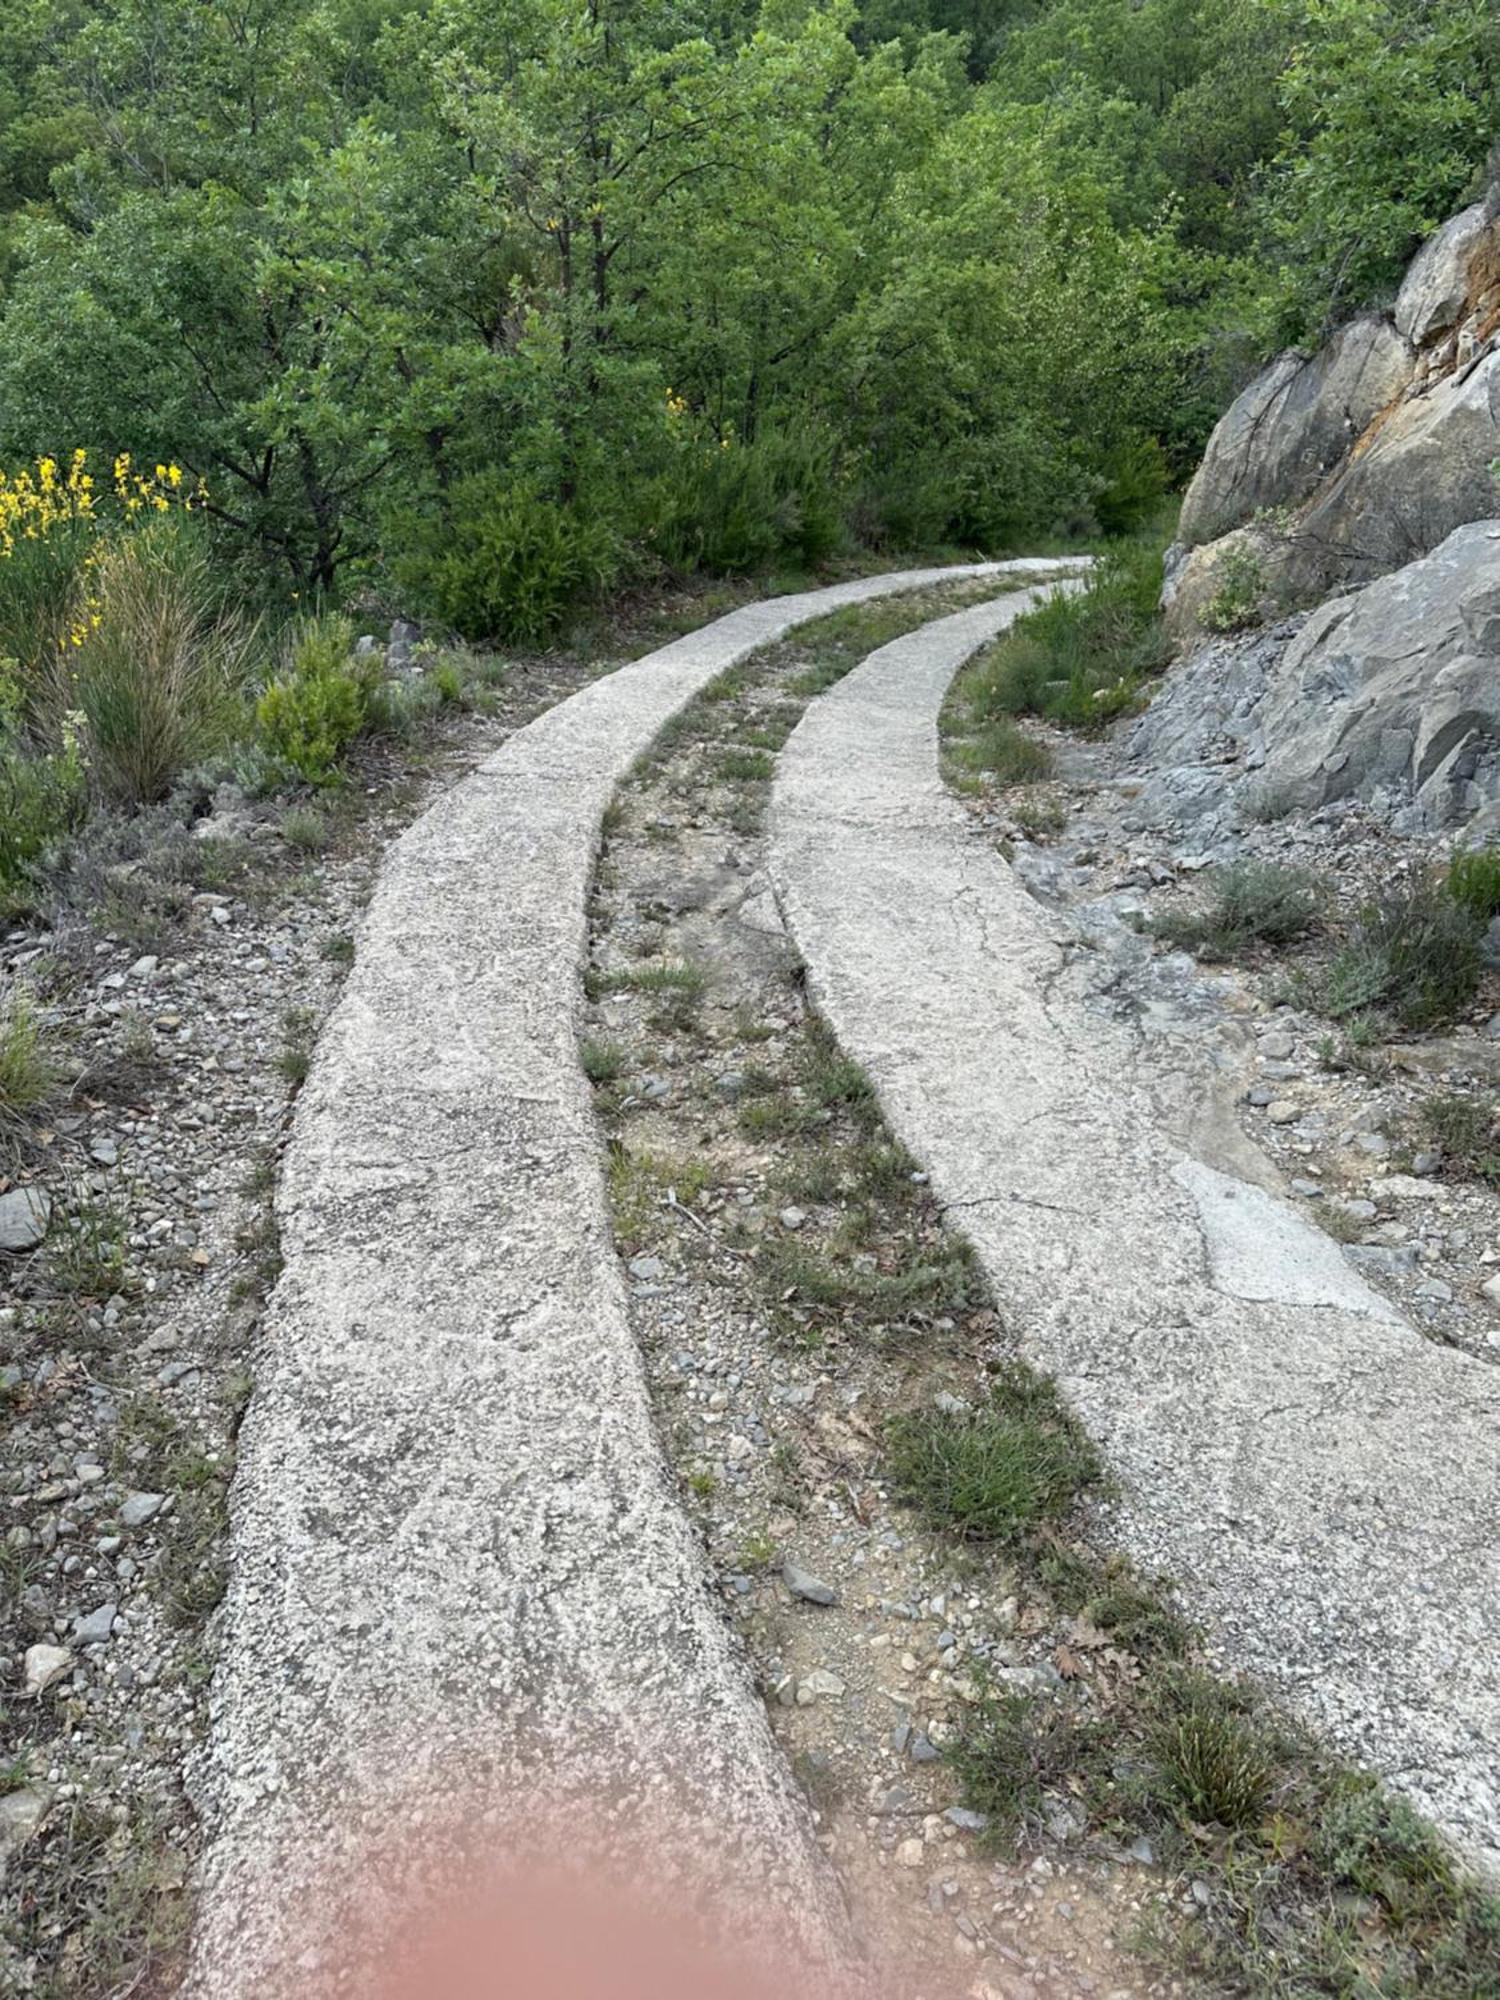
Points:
point(802, 1583)
point(792, 1218)
point(104, 1152)
point(730, 1084)
point(94, 1627)
point(1426, 1163)
point(821, 1682)
point(923, 1750)
point(43, 1665)
point(646, 1267)
point(1437, 1289)
point(24, 1215)
point(1282, 1111)
point(1259, 1097)
point(966, 1821)
point(138, 1508)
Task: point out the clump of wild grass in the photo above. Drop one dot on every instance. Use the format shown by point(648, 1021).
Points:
point(999, 1471)
point(162, 668)
point(1250, 903)
point(1082, 657)
point(1473, 881)
point(1002, 750)
point(1412, 955)
point(1464, 1131)
point(28, 1062)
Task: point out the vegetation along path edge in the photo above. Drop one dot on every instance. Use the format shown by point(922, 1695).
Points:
point(1322, 1483)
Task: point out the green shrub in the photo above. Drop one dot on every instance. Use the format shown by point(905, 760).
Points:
point(734, 508)
point(319, 703)
point(43, 795)
point(39, 582)
point(160, 670)
point(1082, 657)
point(1464, 1131)
point(1413, 954)
point(1135, 477)
point(997, 1472)
point(1473, 880)
point(503, 562)
point(1235, 603)
point(28, 1069)
point(1252, 902)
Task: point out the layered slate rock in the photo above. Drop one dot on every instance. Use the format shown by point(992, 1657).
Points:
point(1322, 1481)
point(1389, 695)
point(464, 1603)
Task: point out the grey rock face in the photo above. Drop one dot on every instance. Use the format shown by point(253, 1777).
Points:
point(1381, 444)
point(1434, 290)
point(1293, 425)
point(1397, 688)
point(1389, 695)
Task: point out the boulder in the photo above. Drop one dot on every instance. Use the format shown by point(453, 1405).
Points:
point(1394, 691)
point(1296, 423)
point(1369, 454)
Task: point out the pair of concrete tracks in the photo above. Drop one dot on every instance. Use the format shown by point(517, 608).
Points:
point(462, 1592)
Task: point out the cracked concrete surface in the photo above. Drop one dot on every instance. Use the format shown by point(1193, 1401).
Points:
point(461, 1586)
point(1322, 1482)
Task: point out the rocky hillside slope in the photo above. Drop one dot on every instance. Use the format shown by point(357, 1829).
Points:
point(1360, 480)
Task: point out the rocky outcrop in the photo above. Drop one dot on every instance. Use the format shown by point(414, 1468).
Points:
point(1395, 689)
point(1389, 694)
point(1355, 461)
point(1293, 426)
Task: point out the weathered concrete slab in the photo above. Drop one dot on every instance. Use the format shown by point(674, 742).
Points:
point(462, 1590)
point(1323, 1482)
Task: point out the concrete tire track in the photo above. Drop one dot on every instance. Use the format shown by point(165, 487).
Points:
point(460, 1578)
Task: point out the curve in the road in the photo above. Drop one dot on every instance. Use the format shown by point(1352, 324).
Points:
point(461, 1585)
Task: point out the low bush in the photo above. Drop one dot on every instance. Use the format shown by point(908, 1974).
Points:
point(1413, 955)
point(999, 1471)
point(1251, 903)
point(501, 561)
point(733, 508)
point(1082, 657)
point(1235, 604)
point(319, 703)
point(1464, 1131)
point(1473, 880)
point(43, 796)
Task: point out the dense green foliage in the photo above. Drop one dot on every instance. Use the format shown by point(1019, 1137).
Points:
point(485, 306)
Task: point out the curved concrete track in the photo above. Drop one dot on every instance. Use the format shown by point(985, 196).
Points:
point(1322, 1481)
point(461, 1585)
